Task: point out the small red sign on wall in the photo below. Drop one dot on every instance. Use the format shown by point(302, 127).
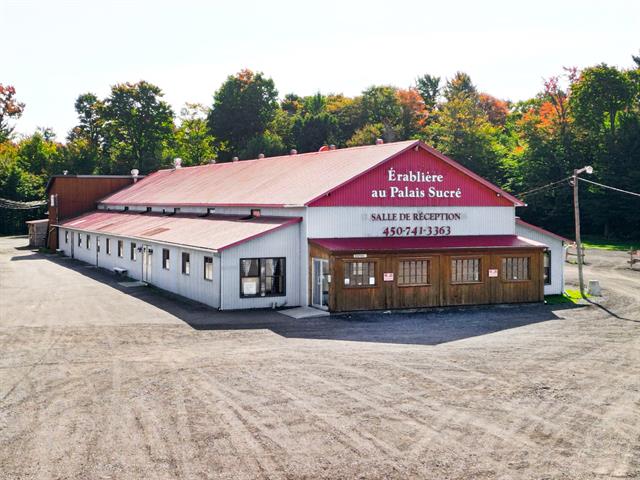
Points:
point(493, 272)
point(388, 277)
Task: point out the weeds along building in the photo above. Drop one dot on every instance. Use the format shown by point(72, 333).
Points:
point(384, 226)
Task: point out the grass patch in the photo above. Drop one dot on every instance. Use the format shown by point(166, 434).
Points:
point(608, 244)
point(568, 296)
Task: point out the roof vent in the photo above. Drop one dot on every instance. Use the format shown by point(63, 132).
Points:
point(261, 155)
point(212, 161)
point(379, 141)
point(134, 174)
point(324, 148)
point(64, 172)
point(177, 163)
point(332, 147)
point(234, 159)
point(293, 152)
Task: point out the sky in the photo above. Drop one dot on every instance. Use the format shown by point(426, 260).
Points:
point(56, 50)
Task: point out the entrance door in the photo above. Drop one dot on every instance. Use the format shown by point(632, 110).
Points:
point(147, 263)
point(320, 289)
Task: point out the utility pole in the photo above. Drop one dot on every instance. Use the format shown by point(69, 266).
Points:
point(576, 212)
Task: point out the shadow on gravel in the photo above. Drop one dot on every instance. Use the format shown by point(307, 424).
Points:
point(610, 312)
point(428, 327)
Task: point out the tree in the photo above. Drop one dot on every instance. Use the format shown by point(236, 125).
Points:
point(599, 95)
point(193, 143)
point(138, 127)
point(10, 109)
point(459, 86)
point(85, 141)
point(349, 116)
point(429, 88)
point(381, 106)
point(243, 108)
point(413, 116)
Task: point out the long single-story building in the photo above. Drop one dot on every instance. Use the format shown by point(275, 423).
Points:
point(396, 225)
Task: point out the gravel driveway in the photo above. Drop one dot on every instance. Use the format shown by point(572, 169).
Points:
point(98, 380)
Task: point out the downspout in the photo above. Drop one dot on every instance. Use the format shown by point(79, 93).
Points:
point(220, 276)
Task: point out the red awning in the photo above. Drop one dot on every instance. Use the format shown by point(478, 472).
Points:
point(424, 243)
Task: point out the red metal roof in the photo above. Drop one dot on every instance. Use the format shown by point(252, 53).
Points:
point(424, 243)
point(519, 221)
point(291, 180)
point(214, 232)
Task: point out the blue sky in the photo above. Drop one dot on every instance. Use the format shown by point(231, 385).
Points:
point(56, 50)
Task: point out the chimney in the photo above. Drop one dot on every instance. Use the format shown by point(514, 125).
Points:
point(379, 141)
point(261, 155)
point(332, 147)
point(234, 159)
point(293, 152)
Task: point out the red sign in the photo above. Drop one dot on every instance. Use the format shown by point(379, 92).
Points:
point(414, 178)
point(388, 277)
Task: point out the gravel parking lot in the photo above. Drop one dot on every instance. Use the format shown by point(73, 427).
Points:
point(98, 380)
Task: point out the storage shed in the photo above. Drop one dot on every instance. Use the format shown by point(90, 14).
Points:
point(384, 226)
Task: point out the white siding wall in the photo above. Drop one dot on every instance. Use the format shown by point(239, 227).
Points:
point(281, 243)
point(336, 222)
point(557, 257)
point(192, 286)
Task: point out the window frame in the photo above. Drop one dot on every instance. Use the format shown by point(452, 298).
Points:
point(185, 265)
point(66, 236)
point(87, 241)
point(260, 278)
point(133, 254)
point(467, 257)
point(400, 260)
point(108, 245)
point(120, 248)
point(204, 268)
point(79, 240)
point(166, 261)
point(349, 261)
point(503, 273)
point(547, 277)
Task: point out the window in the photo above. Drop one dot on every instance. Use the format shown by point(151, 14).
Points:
point(79, 239)
point(165, 259)
point(66, 236)
point(414, 272)
point(120, 249)
point(262, 277)
point(547, 267)
point(465, 270)
point(208, 268)
point(134, 252)
point(186, 263)
point(255, 212)
point(108, 246)
point(515, 269)
point(359, 274)
point(88, 242)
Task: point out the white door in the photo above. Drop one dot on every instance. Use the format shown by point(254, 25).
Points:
point(320, 288)
point(147, 263)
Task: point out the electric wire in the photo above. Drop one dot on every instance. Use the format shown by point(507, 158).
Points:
point(609, 187)
point(543, 187)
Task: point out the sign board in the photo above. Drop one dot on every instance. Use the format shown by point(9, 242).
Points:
point(388, 277)
point(493, 272)
point(359, 255)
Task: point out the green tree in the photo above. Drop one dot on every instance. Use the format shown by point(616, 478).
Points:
point(85, 141)
point(381, 106)
point(193, 143)
point(429, 88)
point(138, 127)
point(10, 109)
point(243, 108)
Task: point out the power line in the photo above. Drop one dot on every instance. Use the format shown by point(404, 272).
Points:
point(609, 187)
point(543, 187)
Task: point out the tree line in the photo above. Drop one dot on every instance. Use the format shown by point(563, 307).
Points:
point(587, 117)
